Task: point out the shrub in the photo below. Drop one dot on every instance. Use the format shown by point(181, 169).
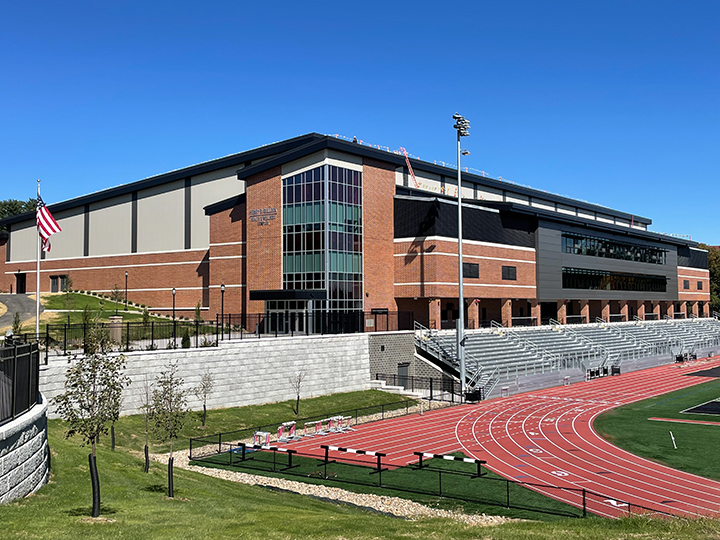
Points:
point(185, 339)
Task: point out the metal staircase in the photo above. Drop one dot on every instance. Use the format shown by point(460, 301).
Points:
point(477, 378)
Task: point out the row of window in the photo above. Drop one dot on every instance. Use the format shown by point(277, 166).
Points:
point(579, 278)
point(314, 233)
point(579, 244)
point(686, 285)
point(472, 271)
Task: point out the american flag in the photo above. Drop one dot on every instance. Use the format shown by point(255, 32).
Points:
point(46, 224)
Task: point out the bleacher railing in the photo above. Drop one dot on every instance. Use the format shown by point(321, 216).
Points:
point(428, 340)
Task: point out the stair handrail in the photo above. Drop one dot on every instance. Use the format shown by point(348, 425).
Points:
point(429, 342)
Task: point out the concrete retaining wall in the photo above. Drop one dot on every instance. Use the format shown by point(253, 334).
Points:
point(24, 454)
point(246, 372)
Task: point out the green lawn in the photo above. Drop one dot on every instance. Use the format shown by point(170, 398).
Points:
point(135, 505)
point(130, 430)
point(628, 427)
point(77, 302)
point(487, 494)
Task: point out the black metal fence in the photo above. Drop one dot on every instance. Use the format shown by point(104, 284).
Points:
point(464, 479)
point(291, 323)
point(64, 339)
point(19, 379)
point(432, 388)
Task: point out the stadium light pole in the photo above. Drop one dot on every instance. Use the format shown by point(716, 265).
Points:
point(461, 126)
point(126, 275)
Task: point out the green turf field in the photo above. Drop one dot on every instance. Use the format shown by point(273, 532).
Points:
point(628, 427)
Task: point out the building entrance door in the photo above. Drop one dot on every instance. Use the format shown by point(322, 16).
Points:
point(286, 316)
point(20, 286)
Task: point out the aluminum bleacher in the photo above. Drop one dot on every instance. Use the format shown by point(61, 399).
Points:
point(598, 348)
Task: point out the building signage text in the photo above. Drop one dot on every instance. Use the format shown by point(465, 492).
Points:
point(262, 216)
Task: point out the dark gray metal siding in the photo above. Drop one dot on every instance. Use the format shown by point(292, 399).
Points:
point(551, 260)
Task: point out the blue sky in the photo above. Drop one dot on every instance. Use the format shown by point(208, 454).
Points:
point(616, 103)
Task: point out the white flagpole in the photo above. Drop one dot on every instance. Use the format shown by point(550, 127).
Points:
point(37, 279)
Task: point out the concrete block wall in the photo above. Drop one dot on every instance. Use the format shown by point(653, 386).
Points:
point(24, 454)
point(247, 372)
point(388, 349)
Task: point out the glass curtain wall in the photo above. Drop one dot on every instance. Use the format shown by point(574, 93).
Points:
point(322, 235)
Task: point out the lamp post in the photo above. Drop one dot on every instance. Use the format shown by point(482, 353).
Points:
point(461, 126)
point(173, 291)
point(126, 275)
point(222, 310)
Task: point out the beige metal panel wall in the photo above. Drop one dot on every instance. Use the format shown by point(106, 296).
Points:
point(69, 242)
point(111, 226)
point(207, 189)
point(161, 218)
point(23, 241)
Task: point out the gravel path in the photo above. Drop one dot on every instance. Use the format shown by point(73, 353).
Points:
point(388, 505)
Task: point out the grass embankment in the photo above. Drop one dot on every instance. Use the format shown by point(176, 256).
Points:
point(135, 505)
point(629, 428)
point(73, 304)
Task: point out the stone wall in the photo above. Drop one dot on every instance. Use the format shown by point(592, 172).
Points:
point(24, 454)
point(248, 372)
point(388, 349)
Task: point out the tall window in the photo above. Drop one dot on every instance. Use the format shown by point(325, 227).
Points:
point(322, 235)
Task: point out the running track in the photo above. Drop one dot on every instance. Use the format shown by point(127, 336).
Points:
point(547, 437)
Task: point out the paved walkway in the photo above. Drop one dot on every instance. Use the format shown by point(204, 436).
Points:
point(20, 303)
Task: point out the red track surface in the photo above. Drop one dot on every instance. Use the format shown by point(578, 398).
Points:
point(546, 437)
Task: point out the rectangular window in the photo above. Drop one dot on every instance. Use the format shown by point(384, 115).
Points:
point(58, 283)
point(686, 284)
point(471, 270)
point(509, 273)
point(578, 278)
point(699, 286)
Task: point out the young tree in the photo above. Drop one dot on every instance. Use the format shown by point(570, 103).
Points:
point(203, 391)
point(117, 295)
point(16, 324)
point(93, 393)
point(198, 312)
point(146, 402)
point(296, 381)
point(168, 410)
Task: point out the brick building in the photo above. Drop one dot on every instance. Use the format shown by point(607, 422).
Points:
point(316, 223)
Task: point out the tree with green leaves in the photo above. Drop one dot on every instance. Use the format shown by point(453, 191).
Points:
point(94, 384)
point(167, 411)
point(16, 324)
point(198, 312)
point(13, 207)
point(714, 267)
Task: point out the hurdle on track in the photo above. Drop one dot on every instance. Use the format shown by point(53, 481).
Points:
point(261, 437)
point(379, 455)
point(478, 462)
point(244, 447)
point(291, 436)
